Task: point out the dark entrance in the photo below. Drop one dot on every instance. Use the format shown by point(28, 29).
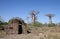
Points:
point(20, 29)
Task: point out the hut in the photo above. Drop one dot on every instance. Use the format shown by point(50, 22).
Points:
point(17, 26)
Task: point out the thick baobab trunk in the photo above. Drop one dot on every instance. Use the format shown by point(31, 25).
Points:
point(33, 19)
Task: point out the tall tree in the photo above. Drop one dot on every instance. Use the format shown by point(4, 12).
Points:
point(50, 17)
point(34, 15)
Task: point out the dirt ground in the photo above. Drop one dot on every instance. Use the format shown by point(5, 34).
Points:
point(36, 33)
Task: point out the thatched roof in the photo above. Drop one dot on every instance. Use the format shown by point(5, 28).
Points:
point(16, 19)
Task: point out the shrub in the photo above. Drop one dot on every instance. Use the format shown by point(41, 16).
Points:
point(51, 25)
point(38, 24)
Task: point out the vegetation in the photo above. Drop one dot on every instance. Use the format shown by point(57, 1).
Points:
point(38, 24)
point(51, 25)
point(2, 24)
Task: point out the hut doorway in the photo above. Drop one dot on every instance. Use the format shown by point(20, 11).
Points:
point(20, 29)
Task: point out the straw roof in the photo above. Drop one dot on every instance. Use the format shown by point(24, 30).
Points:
point(16, 19)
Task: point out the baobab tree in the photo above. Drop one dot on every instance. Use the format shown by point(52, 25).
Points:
point(34, 15)
point(50, 17)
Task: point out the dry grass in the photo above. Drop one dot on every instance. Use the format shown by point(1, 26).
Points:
point(51, 32)
point(2, 34)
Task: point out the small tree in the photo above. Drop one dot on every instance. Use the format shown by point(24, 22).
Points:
point(2, 23)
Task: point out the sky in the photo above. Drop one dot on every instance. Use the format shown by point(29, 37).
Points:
point(23, 8)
